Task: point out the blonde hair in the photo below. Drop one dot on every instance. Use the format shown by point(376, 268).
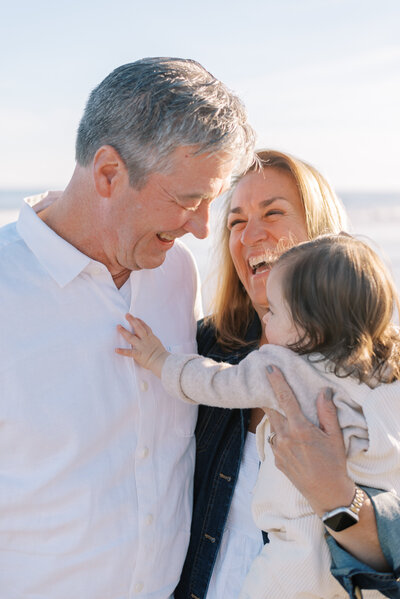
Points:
point(232, 310)
point(342, 298)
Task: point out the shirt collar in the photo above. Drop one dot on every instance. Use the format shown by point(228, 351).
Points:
point(59, 258)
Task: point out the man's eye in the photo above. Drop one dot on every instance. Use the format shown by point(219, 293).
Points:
point(193, 207)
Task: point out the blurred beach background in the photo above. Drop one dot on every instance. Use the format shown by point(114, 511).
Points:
point(320, 80)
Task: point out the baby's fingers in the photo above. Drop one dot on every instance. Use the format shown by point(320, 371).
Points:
point(127, 335)
point(130, 338)
point(140, 328)
point(124, 352)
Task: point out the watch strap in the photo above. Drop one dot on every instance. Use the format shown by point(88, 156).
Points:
point(352, 510)
point(358, 500)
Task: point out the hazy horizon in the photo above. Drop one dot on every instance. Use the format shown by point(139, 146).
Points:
point(320, 78)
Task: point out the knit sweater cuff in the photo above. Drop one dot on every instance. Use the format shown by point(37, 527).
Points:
point(171, 375)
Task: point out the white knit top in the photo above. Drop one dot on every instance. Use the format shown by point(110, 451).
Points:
point(370, 422)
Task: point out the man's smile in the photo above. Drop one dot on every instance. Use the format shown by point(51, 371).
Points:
point(166, 237)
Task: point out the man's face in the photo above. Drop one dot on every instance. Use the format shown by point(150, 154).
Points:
point(143, 223)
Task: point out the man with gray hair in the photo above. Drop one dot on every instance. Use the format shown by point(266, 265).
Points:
point(96, 463)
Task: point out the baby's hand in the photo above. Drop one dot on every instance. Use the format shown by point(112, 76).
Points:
point(147, 350)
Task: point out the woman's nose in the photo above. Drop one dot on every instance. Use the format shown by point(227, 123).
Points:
point(253, 233)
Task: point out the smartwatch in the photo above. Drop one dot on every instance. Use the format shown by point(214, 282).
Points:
point(343, 517)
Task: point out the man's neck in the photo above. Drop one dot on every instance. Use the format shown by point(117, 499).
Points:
point(68, 216)
point(121, 278)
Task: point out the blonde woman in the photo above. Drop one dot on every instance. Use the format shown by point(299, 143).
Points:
point(283, 198)
point(281, 201)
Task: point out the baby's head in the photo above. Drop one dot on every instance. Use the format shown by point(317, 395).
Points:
point(334, 295)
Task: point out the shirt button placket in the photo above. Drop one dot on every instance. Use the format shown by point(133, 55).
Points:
point(149, 519)
point(143, 453)
point(144, 474)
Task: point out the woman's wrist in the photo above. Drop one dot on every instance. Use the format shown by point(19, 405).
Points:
point(332, 496)
point(361, 540)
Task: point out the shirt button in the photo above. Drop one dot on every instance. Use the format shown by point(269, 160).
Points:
point(144, 385)
point(139, 587)
point(149, 519)
point(144, 452)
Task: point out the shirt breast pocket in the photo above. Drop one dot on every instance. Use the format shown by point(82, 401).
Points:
point(185, 414)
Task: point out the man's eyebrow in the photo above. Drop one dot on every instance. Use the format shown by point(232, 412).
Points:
point(262, 204)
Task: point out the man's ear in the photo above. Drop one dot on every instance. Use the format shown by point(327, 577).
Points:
point(109, 171)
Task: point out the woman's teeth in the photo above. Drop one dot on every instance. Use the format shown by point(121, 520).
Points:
point(261, 267)
point(258, 263)
point(165, 237)
point(262, 262)
point(267, 258)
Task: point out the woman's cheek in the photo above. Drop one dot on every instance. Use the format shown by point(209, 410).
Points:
point(235, 249)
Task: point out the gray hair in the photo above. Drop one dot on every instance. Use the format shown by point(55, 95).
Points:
point(148, 108)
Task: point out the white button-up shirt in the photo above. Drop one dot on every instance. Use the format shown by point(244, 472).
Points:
point(96, 460)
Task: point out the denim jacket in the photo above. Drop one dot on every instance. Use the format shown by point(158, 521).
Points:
point(352, 573)
point(220, 436)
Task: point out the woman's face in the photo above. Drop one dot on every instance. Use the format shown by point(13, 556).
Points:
point(265, 209)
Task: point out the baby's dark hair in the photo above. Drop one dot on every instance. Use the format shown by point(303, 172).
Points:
point(342, 298)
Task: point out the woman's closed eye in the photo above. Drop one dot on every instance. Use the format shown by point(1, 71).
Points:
point(274, 212)
point(235, 222)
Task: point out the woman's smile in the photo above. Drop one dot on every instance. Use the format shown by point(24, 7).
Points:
point(266, 217)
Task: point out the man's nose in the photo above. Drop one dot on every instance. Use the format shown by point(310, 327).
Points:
point(253, 232)
point(198, 222)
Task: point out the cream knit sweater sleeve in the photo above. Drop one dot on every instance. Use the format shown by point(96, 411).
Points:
point(369, 419)
point(379, 465)
point(200, 380)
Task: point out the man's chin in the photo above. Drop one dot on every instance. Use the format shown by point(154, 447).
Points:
point(150, 262)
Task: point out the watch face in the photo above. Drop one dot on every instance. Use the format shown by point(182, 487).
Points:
point(341, 521)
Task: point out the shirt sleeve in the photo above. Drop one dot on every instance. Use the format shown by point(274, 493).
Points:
point(353, 574)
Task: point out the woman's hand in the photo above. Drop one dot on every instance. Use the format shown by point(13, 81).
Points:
point(314, 460)
point(312, 457)
point(147, 350)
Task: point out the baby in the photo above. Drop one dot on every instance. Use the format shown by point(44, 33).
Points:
point(330, 306)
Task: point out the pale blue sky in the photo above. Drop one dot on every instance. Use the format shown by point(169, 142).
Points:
point(320, 78)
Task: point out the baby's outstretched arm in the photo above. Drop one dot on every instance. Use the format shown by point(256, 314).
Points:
point(147, 350)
